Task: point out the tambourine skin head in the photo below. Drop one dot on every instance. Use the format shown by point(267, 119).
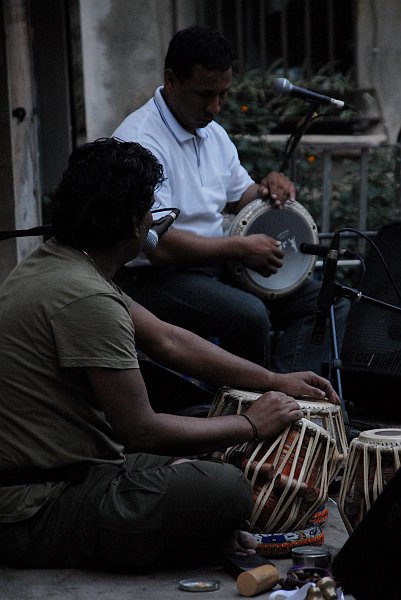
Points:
point(291, 225)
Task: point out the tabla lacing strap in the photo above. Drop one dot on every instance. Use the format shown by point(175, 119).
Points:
point(255, 430)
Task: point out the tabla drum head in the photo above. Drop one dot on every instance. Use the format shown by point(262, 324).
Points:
point(390, 436)
point(291, 225)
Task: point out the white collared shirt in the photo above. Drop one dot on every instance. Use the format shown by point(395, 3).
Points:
point(202, 171)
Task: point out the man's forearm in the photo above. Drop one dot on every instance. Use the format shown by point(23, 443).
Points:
point(208, 362)
point(182, 248)
point(251, 193)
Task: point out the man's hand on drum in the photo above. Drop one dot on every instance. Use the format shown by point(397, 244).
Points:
point(261, 253)
point(273, 412)
point(306, 383)
point(277, 188)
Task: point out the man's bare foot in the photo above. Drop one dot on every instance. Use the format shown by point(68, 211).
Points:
point(242, 543)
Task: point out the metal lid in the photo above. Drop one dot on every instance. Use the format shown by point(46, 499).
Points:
point(199, 585)
point(310, 551)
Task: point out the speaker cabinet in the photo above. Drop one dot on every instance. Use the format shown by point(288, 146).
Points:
point(368, 564)
point(371, 350)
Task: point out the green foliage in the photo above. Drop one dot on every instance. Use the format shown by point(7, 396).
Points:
point(252, 109)
point(251, 114)
point(345, 188)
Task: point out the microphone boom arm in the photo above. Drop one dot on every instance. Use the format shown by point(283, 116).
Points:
point(295, 138)
point(343, 291)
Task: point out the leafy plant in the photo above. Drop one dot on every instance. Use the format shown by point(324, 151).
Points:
point(252, 108)
point(252, 113)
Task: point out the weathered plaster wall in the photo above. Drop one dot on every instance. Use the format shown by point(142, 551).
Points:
point(378, 46)
point(123, 46)
point(19, 173)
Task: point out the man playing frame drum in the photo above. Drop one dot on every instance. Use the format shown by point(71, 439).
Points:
point(185, 281)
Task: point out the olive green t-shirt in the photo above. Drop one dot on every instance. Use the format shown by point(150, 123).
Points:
point(58, 315)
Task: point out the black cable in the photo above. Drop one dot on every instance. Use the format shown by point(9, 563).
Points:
point(42, 230)
point(379, 254)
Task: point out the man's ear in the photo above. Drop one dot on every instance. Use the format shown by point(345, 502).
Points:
point(136, 232)
point(169, 78)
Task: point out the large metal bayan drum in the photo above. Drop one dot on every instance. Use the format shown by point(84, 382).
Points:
point(291, 225)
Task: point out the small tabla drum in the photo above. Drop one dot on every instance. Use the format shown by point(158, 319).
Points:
point(322, 413)
point(330, 417)
point(289, 472)
point(291, 225)
point(374, 457)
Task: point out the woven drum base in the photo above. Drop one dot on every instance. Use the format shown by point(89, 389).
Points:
point(281, 544)
point(320, 518)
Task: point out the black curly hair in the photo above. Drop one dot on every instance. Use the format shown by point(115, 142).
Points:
point(107, 183)
point(198, 46)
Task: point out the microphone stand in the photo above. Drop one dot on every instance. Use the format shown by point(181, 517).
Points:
point(289, 151)
point(335, 362)
point(296, 137)
point(343, 291)
point(327, 297)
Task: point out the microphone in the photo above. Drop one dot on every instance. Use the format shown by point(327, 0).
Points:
point(325, 299)
point(320, 250)
point(283, 87)
point(158, 229)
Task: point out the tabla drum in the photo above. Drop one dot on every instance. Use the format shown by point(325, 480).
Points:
point(229, 401)
point(374, 457)
point(291, 225)
point(330, 417)
point(325, 414)
point(289, 472)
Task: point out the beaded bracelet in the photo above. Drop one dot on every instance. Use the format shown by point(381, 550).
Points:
point(255, 430)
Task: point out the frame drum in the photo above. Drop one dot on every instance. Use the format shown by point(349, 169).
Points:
point(291, 225)
point(374, 457)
